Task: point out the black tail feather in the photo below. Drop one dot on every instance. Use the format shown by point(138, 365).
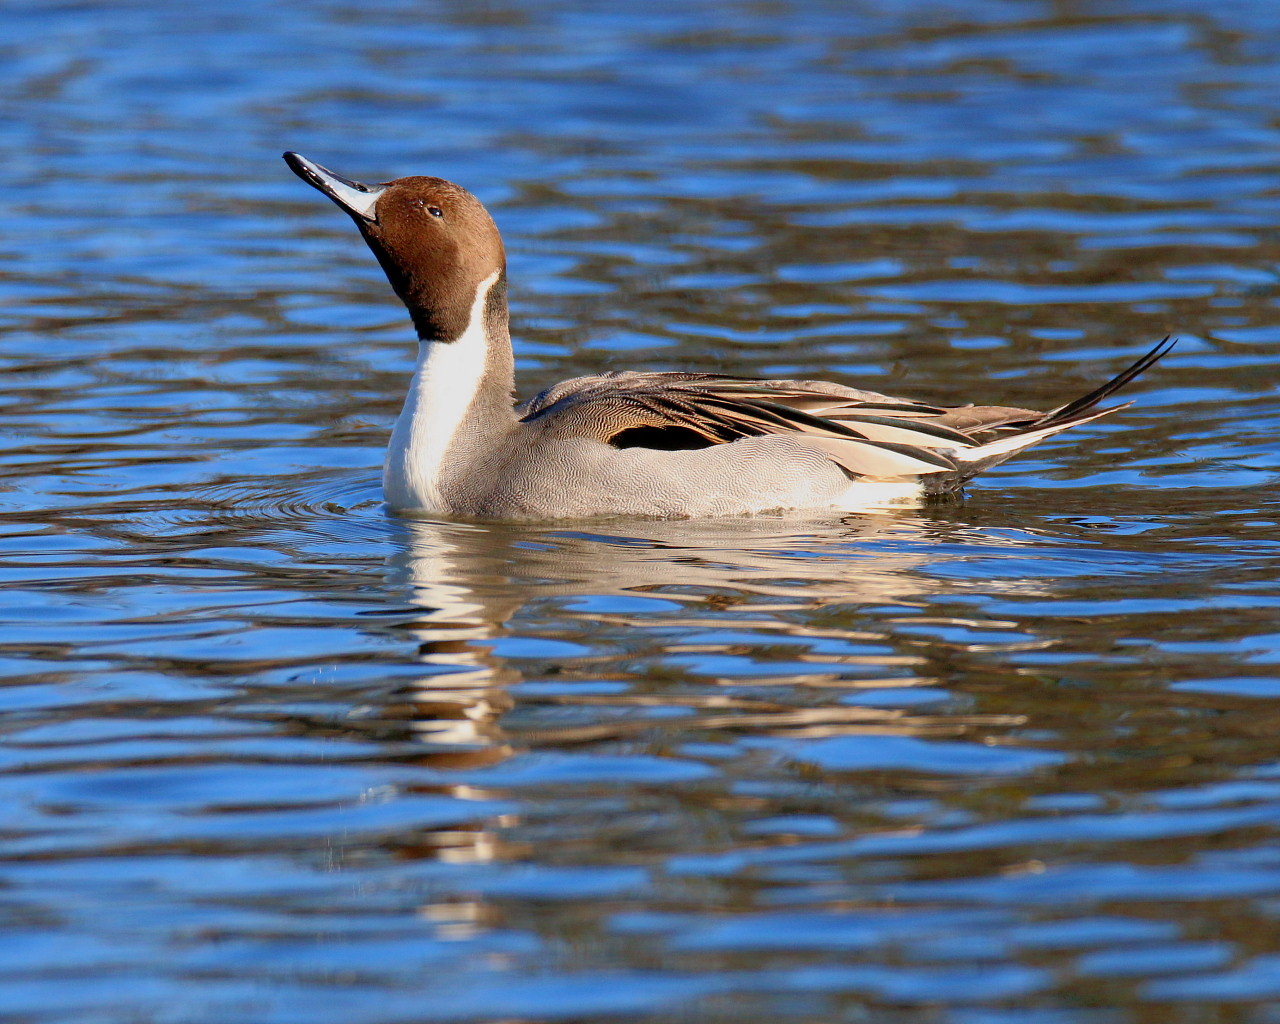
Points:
point(1087, 402)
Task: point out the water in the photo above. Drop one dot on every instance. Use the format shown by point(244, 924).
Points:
point(270, 755)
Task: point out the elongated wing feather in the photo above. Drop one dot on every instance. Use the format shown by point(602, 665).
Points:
point(718, 409)
point(865, 433)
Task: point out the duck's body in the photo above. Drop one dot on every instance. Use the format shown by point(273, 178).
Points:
point(643, 444)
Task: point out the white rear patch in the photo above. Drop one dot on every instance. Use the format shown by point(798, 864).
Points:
point(871, 494)
point(444, 385)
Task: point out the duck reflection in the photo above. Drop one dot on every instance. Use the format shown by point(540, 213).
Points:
point(456, 704)
point(483, 588)
point(606, 632)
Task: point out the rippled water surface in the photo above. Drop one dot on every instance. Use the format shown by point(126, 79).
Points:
point(271, 755)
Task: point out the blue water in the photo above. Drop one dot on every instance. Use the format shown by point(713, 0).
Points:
point(268, 754)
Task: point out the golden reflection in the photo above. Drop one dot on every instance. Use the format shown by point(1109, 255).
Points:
point(459, 703)
point(736, 583)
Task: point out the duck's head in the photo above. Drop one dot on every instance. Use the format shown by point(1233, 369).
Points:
point(435, 240)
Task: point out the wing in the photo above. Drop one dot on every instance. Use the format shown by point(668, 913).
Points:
point(865, 433)
point(860, 431)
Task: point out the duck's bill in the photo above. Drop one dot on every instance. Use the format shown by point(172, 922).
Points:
point(357, 198)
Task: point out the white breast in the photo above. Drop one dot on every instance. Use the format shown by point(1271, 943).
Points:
point(440, 396)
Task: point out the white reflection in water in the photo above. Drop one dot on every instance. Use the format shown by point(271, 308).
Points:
point(741, 576)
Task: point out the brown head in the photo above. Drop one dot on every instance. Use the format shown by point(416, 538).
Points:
point(435, 240)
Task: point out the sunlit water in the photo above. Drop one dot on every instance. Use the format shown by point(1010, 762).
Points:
point(270, 755)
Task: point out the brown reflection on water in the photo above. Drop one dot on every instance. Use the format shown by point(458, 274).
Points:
point(795, 581)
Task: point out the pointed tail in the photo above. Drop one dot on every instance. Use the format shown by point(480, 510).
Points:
point(1025, 433)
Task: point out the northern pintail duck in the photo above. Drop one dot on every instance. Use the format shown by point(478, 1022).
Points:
point(635, 443)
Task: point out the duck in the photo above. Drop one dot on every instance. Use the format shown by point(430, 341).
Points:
point(637, 443)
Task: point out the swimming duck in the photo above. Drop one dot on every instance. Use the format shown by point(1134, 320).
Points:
point(636, 443)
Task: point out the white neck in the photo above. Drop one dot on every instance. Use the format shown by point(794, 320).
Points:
point(441, 394)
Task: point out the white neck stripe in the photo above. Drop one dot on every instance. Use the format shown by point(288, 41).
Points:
point(444, 387)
